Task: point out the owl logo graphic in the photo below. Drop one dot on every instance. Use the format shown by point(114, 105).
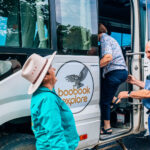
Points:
point(77, 79)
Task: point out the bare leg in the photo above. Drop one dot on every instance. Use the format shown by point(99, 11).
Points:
point(107, 126)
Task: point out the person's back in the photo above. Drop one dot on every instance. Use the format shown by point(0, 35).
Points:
point(110, 46)
point(114, 73)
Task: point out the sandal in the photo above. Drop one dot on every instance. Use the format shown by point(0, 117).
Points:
point(105, 131)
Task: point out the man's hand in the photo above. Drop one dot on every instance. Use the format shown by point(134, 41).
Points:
point(131, 79)
point(123, 94)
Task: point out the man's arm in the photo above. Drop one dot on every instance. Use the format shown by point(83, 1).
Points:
point(140, 94)
point(132, 80)
point(141, 84)
point(105, 60)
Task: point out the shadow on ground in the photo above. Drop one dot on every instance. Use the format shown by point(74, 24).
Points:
point(135, 142)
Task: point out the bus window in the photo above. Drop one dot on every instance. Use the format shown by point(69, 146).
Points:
point(117, 20)
point(123, 39)
point(9, 31)
point(10, 63)
point(35, 23)
point(142, 5)
point(126, 39)
point(76, 26)
point(5, 68)
point(116, 36)
point(3, 29)
point(25, 23)
point(148, 12)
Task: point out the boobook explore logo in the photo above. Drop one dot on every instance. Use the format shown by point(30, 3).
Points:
point(74, 85)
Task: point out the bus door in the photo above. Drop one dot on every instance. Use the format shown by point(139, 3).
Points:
point(136, 58)
point(147, 63)
point(77, 64)
point(117, 16)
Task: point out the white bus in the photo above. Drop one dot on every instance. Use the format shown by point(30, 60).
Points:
point(70, 27)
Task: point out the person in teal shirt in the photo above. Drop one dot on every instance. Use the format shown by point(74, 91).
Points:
point(52, 120)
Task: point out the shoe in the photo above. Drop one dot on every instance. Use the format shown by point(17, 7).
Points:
point(105, 131)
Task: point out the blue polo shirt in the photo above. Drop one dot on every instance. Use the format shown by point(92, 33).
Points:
point(52, 122)
point(146, 102)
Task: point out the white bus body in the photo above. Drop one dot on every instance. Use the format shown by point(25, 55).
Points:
point(77, 61)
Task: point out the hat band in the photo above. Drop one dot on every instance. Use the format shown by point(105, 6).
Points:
point(40, 72)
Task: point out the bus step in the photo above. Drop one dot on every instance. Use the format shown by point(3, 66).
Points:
point(118, 143)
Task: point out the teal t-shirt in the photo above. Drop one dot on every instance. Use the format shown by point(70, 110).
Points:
point(52, 122)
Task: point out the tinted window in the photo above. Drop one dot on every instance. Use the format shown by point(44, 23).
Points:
point(117, 21)
point(76, 26)
point(148, 8)
point(142, 24)
point(126, 39)
point(24, 23)
point(10, 63)
point(123, 39)
point(117, 36)
point(9, 23)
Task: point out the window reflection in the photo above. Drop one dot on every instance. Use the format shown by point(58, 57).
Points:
point(8, 67)
point(25, 23)
point(10, 63)
point(76, 25)
point(9, 29)
point(142, 4)
point(148, 9)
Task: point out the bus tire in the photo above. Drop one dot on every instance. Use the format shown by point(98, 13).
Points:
point(18, 142)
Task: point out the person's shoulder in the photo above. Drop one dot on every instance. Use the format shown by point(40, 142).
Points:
point(51, 95)
point(114, 42)
point(44, 92)
point(113, 39)
point(105, 36)
point(37, 97)
point(44, 97)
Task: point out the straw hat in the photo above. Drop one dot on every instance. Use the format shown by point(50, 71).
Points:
point(35, 69)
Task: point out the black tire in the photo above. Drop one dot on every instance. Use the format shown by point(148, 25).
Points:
point(95, 148)
point(17, 142)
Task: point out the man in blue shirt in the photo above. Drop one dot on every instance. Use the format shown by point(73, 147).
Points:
point(143, 94)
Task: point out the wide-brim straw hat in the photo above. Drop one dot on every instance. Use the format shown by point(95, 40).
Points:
point(35, 69)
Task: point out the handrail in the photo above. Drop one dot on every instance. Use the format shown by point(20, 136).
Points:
point(130, 54)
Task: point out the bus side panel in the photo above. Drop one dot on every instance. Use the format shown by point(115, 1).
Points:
point(14, 100)
point(86, 113)
point(85, 105)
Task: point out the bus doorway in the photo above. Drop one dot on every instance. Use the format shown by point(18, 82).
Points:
point(116, 16)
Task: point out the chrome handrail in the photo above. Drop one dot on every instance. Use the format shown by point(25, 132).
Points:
point(130, 54)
